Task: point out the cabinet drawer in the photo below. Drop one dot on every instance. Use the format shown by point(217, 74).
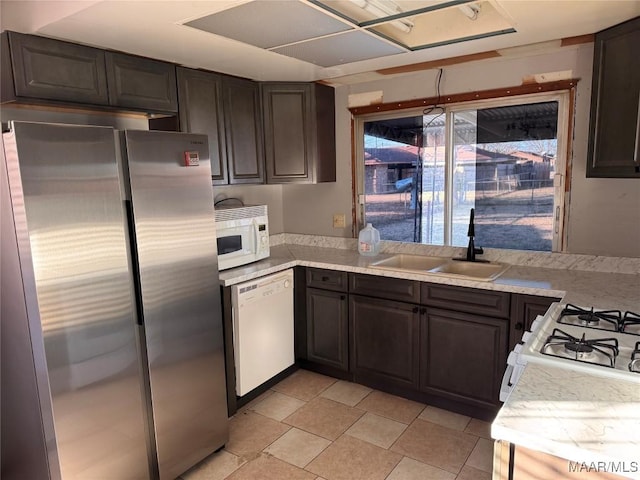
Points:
point(327, 279)
point(385, 287)
point(471, 300)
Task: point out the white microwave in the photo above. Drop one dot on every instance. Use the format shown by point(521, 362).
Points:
point(242, 235)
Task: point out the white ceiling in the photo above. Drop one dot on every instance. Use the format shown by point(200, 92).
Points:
point(156, 28)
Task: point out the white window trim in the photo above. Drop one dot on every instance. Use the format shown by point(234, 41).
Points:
point(563, 97)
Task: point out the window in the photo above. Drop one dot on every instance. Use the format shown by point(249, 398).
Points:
point(422, 171)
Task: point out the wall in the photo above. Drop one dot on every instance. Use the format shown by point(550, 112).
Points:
point(603, 214)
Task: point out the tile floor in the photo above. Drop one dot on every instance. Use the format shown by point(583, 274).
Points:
point(314, 427)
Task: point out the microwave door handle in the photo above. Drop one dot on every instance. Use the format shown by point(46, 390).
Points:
point(255, 236)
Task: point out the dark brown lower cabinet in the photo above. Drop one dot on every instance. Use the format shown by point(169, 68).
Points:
point(463, 356)
point(384, 342)
point(327, 328)
point(524, 310)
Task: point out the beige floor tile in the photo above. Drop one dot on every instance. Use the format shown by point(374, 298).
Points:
point(215, 467)
point(250, 433)
point(265, 467)
point(304, 385)
point(409, 469)
point(378, 430)
point(324, 417)
point(470, 473)
point(435, 445)
point(256, 400)
point(350, 458)
point(444, 418)
point(297, 447)
point(479, 428)
point(277, 406)
point(346, 392)
point(481, 457)
point(390, 406)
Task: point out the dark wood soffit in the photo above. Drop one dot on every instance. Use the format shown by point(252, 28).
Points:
point(525, 89)
point(446, 62)
point(588, 38)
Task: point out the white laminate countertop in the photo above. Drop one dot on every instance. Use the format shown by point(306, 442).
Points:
point(577, 416)
point(584, 288)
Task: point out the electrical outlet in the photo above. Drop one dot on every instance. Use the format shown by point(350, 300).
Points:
point(339, 220)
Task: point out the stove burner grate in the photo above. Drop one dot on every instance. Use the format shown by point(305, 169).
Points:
point(634, 365)
point(578, 348)
point(581, 349)
point(600, 319)
point(629, 319)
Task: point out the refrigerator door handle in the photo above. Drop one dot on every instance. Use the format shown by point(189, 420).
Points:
point(135, 264)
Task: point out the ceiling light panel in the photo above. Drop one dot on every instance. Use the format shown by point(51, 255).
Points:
point(364, 11)
point(340, 49)
point(268, 24)
point(453, 24)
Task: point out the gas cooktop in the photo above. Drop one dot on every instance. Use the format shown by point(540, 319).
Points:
point(601, 342)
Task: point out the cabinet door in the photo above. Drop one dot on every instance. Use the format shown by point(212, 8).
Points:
point(524, 310)
point(200, 101)
point(54, 70)
point(287, 132)
point(299, 129)
point(141, 83)
point(463, 356)
point(243, 129)
point(384, 342)
point(327, 328)
point(615, 103)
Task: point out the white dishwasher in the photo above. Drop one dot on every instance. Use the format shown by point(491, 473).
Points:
point(262, 329)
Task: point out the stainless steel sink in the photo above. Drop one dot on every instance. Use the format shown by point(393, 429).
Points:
point(411, 263)
point(472, 270)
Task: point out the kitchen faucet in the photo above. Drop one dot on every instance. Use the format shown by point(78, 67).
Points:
point(472, 250)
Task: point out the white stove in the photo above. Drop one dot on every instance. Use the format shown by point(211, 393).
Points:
point(599, 342)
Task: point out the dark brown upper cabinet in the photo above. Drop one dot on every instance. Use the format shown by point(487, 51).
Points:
point(200, 102)
point(243, 130)
point(299, 132)
point(614, 132)
point(41, 68)
point(141, 83)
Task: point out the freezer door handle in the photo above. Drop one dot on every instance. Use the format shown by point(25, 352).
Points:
point(135, 264)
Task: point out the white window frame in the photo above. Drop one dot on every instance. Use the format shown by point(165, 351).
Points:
point(563, 97)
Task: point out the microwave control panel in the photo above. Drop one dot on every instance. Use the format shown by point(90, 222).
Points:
point(263, 237)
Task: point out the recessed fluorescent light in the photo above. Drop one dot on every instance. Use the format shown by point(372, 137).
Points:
point(470, 10)
point(385, 8)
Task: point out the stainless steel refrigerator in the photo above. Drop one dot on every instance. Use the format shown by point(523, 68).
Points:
point(111, 328)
